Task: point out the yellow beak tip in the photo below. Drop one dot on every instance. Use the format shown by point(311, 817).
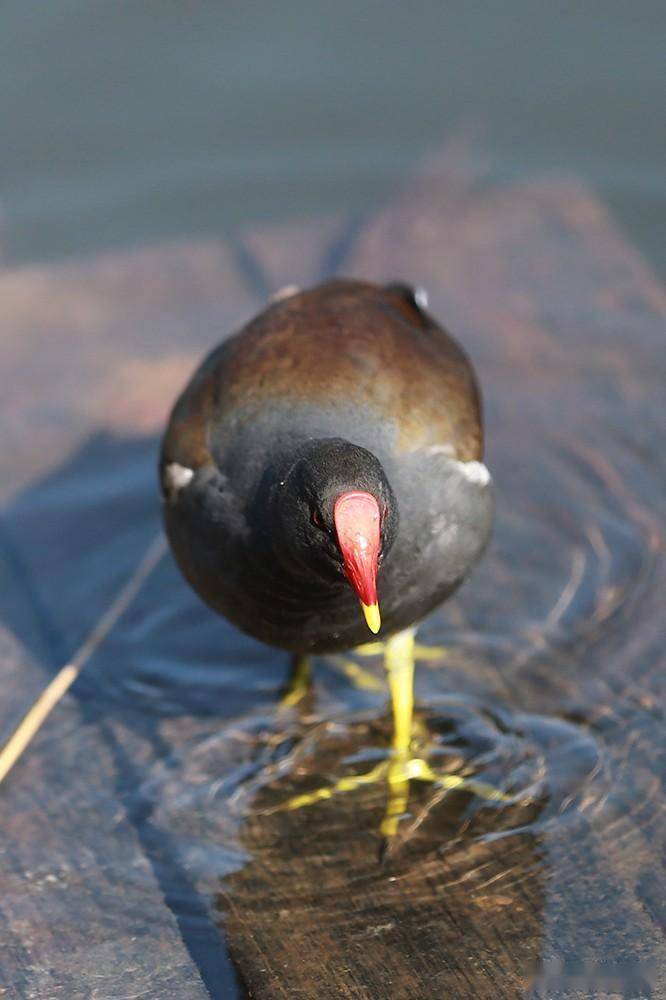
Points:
point(372, 617)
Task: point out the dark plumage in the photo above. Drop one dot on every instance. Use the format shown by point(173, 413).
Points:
point(345, 387)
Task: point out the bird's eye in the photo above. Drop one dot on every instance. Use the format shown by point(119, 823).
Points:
point(317, 519)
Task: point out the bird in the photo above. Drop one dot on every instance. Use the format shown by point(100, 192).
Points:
point(323, 478)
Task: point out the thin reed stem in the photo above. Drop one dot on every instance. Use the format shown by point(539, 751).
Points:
point(36, 716)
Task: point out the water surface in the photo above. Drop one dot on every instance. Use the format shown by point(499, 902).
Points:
point(130, 122)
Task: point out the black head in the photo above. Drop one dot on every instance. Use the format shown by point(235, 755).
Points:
point(306, 527)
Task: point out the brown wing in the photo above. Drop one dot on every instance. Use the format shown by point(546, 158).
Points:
point(343, 339)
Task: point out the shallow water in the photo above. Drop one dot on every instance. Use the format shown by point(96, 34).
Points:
point(140, 121)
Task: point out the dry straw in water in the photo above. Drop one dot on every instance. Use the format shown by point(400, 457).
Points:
point(36, 716)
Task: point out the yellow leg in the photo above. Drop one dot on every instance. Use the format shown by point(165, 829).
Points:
point(299, 683)
point(399, 663)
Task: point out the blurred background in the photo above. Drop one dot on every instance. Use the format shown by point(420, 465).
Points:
point(129, 122)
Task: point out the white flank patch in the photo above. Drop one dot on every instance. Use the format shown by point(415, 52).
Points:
point(421, 297)
point(475, 472)
point(176, 477)
point(284, 293)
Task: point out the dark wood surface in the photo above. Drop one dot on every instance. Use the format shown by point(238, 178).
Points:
point(99, 895)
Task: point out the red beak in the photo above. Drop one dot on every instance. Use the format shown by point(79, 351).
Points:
point(358, 526)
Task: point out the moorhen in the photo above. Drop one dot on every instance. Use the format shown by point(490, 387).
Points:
point(323, 466)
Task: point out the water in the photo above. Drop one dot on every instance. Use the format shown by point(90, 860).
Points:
point(539, 681)
point(139, 121)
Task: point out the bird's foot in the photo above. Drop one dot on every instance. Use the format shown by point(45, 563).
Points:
point(403, 770)
point(398, 770)
point(406, 761)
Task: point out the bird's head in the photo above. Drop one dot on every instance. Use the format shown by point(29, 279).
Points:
point(337, 518)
